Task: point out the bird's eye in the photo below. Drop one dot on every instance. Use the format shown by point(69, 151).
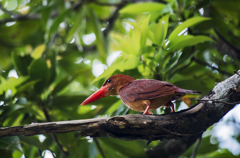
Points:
point(109, 80)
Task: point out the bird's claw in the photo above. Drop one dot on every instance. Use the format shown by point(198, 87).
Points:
point(149, 113)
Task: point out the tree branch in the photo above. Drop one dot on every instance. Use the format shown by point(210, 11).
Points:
point(186, 123)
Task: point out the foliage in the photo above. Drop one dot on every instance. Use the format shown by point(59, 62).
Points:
point(52, 53)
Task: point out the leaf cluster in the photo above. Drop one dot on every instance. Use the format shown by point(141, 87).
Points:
point(56, 53)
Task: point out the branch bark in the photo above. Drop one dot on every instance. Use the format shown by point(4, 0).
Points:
point(185, 123)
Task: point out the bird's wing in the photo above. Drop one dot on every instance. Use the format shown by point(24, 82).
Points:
point(146, 89)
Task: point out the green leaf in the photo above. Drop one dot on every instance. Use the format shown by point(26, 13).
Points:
point(45, 16)
point(33, 140)
point(53, 68)
point(11, 83)
point(136, 37)
point(16, 154)
point(57, 21)
point(39, 70)
point(76, 100)
point(164, 20)
point(72, 112)
point(150, 35)
point(38, 51)
point(25, 86)
point(134, 24)
point(128, 45)
point(146, 50)
point(8, 110)
point(108, 72)
point(10, 143)
point(223, 153)
point(228, 7)
point(19, 33)
point(114, 107)
point(194, 84)
point(131, 63)
point(78, 24)
point(173, 61)
point(144, 28)
point(185, 41)
point(144, 70)
point(137, 8)
point(8, 153)
point(93, 152)
point(159, 56)
point(62, 84)
point(100, 41)
point(122, 110)
point(205, 142)
point(21, 63)
point(160, 30)
point(188, 23)
point(127, 148)
point(64, 100)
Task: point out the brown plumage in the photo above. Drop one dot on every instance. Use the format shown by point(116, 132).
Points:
point(140, 95)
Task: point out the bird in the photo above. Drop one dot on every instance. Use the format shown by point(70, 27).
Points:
point(141, 95)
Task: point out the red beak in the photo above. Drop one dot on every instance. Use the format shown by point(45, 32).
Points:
point(97, 95)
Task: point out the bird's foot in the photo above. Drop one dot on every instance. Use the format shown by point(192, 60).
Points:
point(171, 105)
point(147, 108)
point(148, 113)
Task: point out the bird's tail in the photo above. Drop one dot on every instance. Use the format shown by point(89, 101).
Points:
point(187, 91)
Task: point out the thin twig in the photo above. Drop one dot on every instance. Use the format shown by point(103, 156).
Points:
point(194, 152)
point(112, 19)
point(99, 147)
point(40, 153)
point(212, 67)
point(174, 133)
point(78, 5)
point(53, 135)
point(219, 101)
point(236, 72)
point(6, 11)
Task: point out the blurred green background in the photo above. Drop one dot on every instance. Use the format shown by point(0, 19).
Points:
point(53, 54)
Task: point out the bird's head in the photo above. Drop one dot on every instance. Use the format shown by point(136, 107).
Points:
point(111, 86)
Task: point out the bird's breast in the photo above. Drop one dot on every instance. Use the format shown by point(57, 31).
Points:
point(140, 105)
